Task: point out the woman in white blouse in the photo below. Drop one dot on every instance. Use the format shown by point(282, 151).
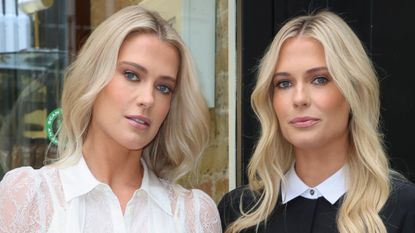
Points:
point(134, 121)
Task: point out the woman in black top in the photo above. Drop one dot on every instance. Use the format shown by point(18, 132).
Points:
point(319, 165)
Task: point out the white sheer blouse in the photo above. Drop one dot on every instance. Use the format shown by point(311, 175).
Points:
point(72, 200)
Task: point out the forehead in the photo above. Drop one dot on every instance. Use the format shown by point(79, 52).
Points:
point(151, 52)
point(300, 51)
point(146, 39)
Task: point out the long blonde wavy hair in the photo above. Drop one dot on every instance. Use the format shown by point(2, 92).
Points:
point(183, 135)
point(369, 177)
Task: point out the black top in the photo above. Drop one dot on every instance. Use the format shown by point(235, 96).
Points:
point(302, 215)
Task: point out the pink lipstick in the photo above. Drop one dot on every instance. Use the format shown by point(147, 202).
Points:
point(138, 121)
point(304, 122)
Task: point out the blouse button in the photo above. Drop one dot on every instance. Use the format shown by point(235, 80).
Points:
point(312, 192)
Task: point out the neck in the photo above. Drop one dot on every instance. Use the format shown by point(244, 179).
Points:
point(313, 166)
point(113, 164)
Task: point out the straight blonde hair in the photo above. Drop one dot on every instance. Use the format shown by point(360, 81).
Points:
point(368, 180)
point(181, 139)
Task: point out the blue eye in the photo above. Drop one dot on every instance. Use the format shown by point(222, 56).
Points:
point(164, 89)
point(131, 76)
point(284, 84)
point(320, 80)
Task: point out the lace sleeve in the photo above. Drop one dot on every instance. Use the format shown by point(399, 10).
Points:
point(208, 213)
point(23, 202)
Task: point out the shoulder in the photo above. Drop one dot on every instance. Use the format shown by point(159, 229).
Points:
point(20, 177)
point(27, 177)
point(25, 198)
point(199, 208)
point(28, 183)
point(402, 193)
point(241, 196)
point(231, 203)
point(208, 212)
point(399, 211)
point(195, 198)
point(203, 198)
point(198, 199)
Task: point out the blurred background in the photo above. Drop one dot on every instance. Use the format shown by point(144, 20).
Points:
point(227, 38)
point(39, 38)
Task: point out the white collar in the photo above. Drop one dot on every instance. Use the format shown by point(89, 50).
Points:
point(331, 189)
point(78, 180)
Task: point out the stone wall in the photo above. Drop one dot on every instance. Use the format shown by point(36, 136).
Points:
point(214, 167)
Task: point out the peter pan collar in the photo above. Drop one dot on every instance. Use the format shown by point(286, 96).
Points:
point(331, 189)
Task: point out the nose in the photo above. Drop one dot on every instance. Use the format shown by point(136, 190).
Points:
point(145, 96)
point(301, 96)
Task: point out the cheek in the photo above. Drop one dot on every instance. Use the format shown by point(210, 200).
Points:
point(280, 110)
point(115, 91)
point(163, 107)
point(165, 110)
point(279, 105)
point(110, 100)
point(119, 94)
point(335, 105)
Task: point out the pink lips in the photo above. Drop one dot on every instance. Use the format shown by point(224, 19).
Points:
point(138, 121)
point(304, 122)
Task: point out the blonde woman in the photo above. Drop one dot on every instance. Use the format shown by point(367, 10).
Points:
point(134, 122)
point(319, 165)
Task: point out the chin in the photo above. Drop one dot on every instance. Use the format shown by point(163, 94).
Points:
point(132, 145)
point(305, 144)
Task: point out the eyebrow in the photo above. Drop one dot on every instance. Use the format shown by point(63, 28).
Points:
point(312, 70)
point(317, 69)
point(143, 69)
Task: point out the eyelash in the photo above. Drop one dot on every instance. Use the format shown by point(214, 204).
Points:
point(127, 73)
point(167, 90)
point(285, 84)
point(164, 89)
point(280, 85)
point(325, 80)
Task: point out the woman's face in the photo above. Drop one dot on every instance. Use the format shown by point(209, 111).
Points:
point(311, 111)
point(131, 108)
